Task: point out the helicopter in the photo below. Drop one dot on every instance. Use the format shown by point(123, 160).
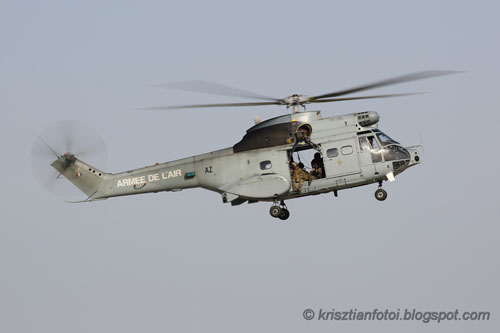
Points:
point(350, 151)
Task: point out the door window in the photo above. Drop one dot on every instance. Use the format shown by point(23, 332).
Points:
point(346, 150)
point(332, 152)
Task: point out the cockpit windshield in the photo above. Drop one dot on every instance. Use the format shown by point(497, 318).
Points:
point(384, 139)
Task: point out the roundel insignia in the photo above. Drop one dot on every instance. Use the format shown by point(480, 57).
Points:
point(339, 162)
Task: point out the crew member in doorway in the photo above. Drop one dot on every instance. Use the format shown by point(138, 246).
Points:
point(319, 162)
point(306, 175)
point(298, 177)
point(316, 171)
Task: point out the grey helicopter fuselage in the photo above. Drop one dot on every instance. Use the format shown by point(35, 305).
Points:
point(354, 153)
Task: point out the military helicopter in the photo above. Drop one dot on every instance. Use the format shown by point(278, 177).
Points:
point(350, 151)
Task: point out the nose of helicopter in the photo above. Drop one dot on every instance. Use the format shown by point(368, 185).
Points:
point(415, 157)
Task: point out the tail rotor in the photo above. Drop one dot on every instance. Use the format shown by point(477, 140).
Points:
point(69, 140)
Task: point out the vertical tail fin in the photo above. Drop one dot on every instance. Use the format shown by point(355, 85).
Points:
point(84, 176)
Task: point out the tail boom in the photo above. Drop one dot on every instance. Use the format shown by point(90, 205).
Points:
point(96, 184)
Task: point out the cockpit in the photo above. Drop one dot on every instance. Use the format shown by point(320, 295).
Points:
point(383, 149)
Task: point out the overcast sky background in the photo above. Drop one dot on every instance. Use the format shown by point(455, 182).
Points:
point(185, 262)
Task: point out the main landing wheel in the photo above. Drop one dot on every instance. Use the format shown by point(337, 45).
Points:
point(380, 194)
point(285, 214)
point(275, 211)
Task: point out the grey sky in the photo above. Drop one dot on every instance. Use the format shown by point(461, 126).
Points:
point(185, 262)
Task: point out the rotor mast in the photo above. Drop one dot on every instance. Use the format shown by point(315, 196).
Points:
point(296, 101)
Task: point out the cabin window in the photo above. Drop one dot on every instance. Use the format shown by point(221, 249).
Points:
point(333, 152)
point(346, 150)
point(265, 165)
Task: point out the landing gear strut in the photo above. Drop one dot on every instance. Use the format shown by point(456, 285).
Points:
point(279, 211)
point(380, 194)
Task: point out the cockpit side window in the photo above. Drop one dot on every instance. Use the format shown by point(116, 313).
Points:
point(375, 151)
point(373, 142)
point(384, 139)
point(363, 143)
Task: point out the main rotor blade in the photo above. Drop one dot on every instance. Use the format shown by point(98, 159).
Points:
point(361, 97)
point(213, 88)
point(387, 82)
point(173, 107)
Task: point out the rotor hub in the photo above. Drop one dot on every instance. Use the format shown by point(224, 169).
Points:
point(295, 99)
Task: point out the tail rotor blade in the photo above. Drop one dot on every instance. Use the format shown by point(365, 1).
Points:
point(67, 131)
point(71, 137)
point(47, 147)
point(96, 148)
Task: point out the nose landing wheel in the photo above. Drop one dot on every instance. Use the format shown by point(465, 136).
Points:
point(279, 211)
point(380, 194)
